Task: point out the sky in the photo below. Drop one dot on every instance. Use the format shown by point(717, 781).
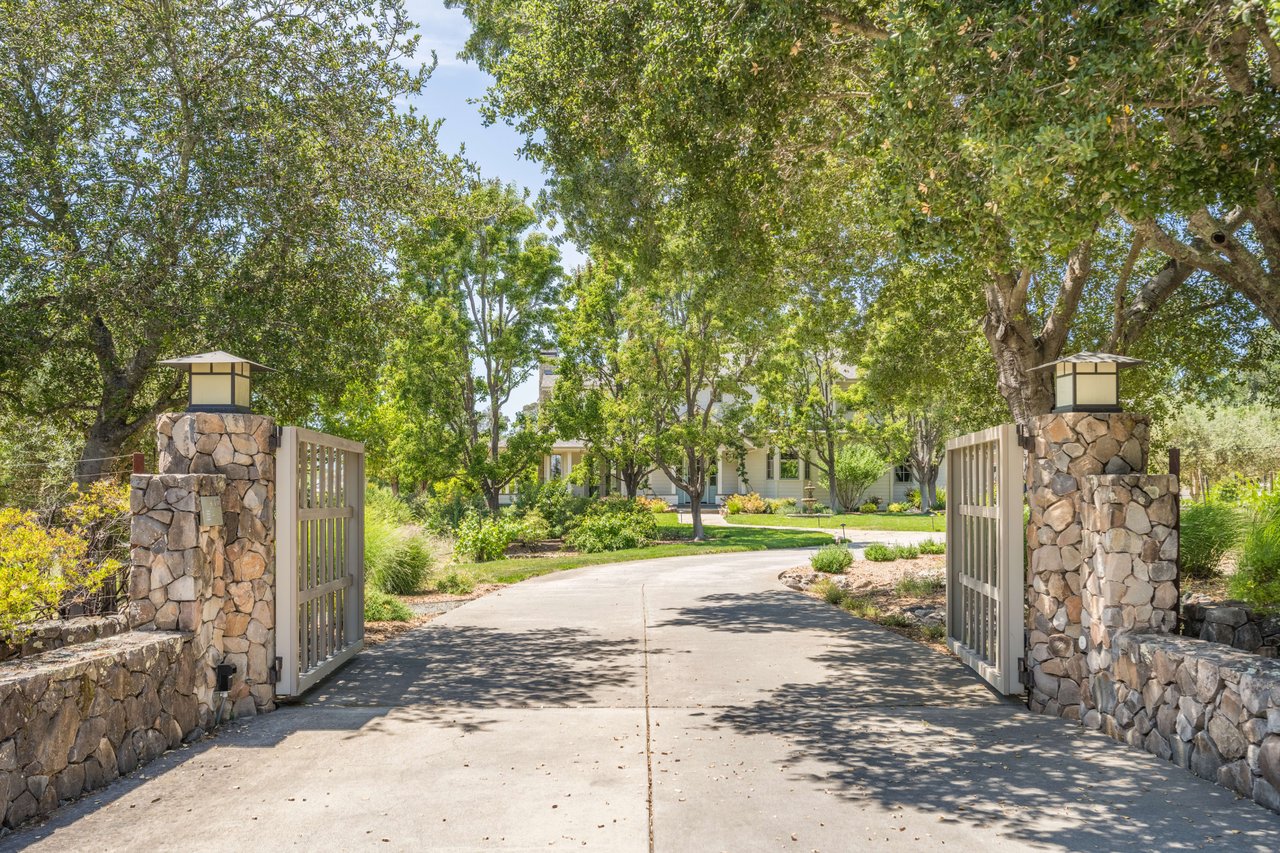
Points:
point(448, 95)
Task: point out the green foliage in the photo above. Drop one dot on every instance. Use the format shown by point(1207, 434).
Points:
point(829, 592)
point(198, 173)
point(654, 505)
point(614, 525)
point(913, 499)
point(556, 503)
point(45, 567)
point(1207, 532)
point(932, 546)
point(454, 583)
point(860, 606)
point(940, 499)
point(896, 620)
point(480, 538)
point(780, 506)
point(858, 466)
point(905, 552)
point(920, 586)
point(396, 560)
point(880, 553)
point(832, 559)
point(380, 606)
point(532, 528)
point(750, 503)
point(869, 506)
point(1257, 578)
point(897, 507)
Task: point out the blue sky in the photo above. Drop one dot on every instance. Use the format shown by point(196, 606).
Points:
point(452, 87)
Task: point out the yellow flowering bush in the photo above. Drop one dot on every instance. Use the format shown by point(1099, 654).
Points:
point(46, 567)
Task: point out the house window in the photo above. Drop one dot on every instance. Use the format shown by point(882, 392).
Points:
point(789, 468)
point(557, 466)
point(808, 470)
point(902, 474)
point(768, 466)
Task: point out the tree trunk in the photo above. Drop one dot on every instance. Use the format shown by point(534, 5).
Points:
point(631, 476)
point(833, 493)
point(696, 510)
point(491, 493)
point(102, 441)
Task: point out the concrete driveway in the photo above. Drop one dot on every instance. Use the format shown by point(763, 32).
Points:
point(688, 704)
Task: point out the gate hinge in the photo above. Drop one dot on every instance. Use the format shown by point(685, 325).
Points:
point(1026, 440)
point(1024, 674)
point(273, 673)
point(276, 432)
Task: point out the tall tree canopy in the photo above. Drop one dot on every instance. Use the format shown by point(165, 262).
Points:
point(483, 284)
point(194, 175)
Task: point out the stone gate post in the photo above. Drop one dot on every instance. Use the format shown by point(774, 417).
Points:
point(1069, 447)
point(240, 447)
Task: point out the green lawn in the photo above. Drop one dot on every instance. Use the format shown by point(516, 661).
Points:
point(720, 541)
point(853, 521)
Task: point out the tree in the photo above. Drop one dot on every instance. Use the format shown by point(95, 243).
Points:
point(857, 467)
point(692, 338)
point(185, 176)
point(594, 399)
point(484, 284)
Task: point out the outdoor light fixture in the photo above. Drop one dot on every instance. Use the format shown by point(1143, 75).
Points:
point(219, 381)
point(1088, 381)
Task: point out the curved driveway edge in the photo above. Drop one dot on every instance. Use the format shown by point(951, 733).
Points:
point(689, 703)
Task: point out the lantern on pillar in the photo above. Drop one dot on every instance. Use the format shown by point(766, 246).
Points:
point(1088, 381)
point(220, 381)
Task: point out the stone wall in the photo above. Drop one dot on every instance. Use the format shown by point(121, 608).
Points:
point(240, 447)
point(1068, 448)
point(1206, 707)
point(1232, 623)
point(73, 719)
point(51, 634)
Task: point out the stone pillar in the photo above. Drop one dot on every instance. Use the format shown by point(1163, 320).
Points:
point(1130, 575)
point(240, 447)
point(1068, 448)
point(176, 576)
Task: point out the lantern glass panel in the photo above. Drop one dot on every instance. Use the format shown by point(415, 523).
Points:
point(1097, 389)
point(242, 390)
point(1065, 391)
point(210, 389)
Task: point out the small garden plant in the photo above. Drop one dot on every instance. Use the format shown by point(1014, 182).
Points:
point(869, 506)
point(1257, 579)
point(920, 586)
point(832, 559)
point(614, 525)
point(383, 607)
point(879, 552)
point(1207, 532)
point(932, 546)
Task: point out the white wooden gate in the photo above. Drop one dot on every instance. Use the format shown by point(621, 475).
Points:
point(319, 556)
point(985, 547)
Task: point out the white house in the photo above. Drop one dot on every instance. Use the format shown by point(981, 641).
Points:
point(767, 470)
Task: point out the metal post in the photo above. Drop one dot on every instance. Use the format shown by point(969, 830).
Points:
point(139, 464)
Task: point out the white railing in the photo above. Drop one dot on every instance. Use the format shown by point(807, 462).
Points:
point(985, 547)
point(319, 555)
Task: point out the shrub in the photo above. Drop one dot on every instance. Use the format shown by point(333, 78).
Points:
point(556, 503)
point(381, 607)
point(1257, 578)
point(932, 546)
point(531, 529)
point(940, 499)
point(857, 467)
point(898, 507)
point(402, 567)
point(934, 633)
point(381, 501)
point(454, 583)
point(614, 525)
point(1208, 532)
point(443, 511)
point(861, 607)
point(913, 498)
point(43, 568)
point(880, 553)
point(656, 505)
point(896, 620)
point(751, 504)
point(829, 592)
point(831, 559)
point(918, 586)
point(480, 539)
point(869, 506)
point(780, 506)
point(905, 552)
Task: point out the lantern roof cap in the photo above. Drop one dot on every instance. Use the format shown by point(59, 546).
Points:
point(215, 357)
point(1094, 358)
